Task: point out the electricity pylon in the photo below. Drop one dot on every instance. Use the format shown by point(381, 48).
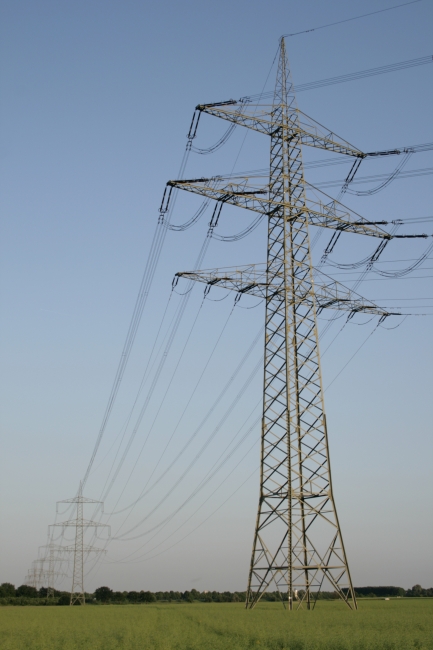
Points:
point(298, 546)
point(47, 576)
point(80, 549)
point(53, 555)
point(33, 577)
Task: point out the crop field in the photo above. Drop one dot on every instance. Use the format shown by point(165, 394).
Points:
point(377, 625)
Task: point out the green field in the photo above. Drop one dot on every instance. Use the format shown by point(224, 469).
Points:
point(377, 625)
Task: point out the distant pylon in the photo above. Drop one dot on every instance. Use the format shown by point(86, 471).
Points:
point(33, 577)
point(298, 546)
point(80, 549)
point(47, 576)
point(53, 555)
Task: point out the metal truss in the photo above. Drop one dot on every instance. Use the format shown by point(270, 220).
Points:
point(253, 279)
point(79, 549)
point(298, 547)
point(49, 575)
point(264, 119)
point(321, 210)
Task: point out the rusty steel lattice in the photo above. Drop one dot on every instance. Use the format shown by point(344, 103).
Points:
point(298, 547)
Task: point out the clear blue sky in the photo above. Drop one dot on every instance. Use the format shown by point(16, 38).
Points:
point(97, 98)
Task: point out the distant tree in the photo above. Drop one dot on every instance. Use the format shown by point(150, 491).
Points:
point(133, 596)
point(118, 596)
point(417, 591)
point(379, 591)
point(104, 594)
point(27, 592)
point(7, 590)
point(147, 597)
point(64, 600)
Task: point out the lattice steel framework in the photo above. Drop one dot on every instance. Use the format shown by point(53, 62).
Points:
point(80, 550)
point(54, 557)
point(298, 547)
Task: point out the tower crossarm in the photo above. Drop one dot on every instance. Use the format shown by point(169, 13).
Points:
point(330, 294)
point(84, 523)
point(322, 211)
point(264, 119)
point(251, 279)
point(79, 499)
point(86, 549)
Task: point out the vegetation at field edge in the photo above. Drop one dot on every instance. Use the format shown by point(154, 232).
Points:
point(377, 625)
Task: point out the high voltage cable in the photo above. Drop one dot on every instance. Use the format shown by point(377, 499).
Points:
point(366, 260)
point(338, 160)
point(351, 358)
point(172, 333)
point(208, 414)
point(407, 259)
point(188, 148)
point(173, 374)
point(362, 74)
point(359, 179)
point(354, 76)
point(373, 270)
point(148, 275)
point(182, 414)
point(164, 344)
point(210, 474)
point(177, 320)
point(386, 179)
point(203, 448)
point(202, 484)
point(144, 377)
point(222, 420)
point(164, 220)
point(195, 512)
point(416, 277)
point(206, 479)
point(347, 20)
point(424, 171)
point(179, 315)
point(191, 222)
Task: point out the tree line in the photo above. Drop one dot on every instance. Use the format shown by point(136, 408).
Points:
point(26, 595)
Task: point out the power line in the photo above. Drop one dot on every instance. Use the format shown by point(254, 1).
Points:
point(181, 416)
point(146, 282)
point(411, 173)
point(353, 76)
point(347, 20)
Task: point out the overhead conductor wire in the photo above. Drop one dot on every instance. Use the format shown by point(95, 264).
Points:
point(146, 282)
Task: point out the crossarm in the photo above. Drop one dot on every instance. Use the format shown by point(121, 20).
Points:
point(327, 292)
point(260, 118)
point(245, 195)
point(81, 523)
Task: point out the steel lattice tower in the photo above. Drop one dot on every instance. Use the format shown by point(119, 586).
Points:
point(80, 550)
point(298, 547)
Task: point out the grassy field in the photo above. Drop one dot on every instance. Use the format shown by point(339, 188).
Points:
point(377, 625)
